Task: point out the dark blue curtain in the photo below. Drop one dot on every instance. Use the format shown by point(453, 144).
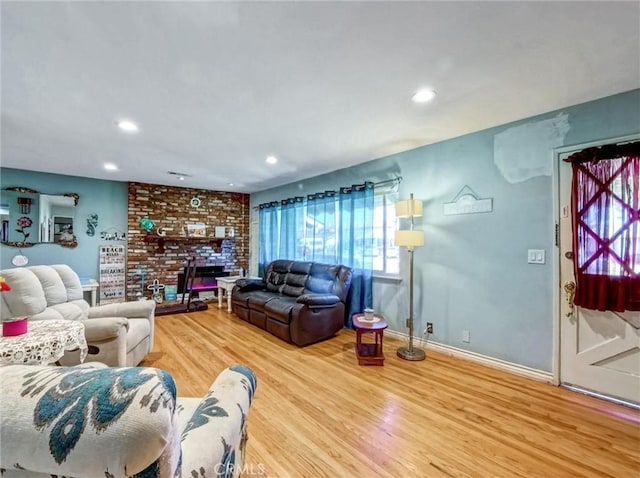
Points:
point(269, 235)
point(291, 223)
point(355, 249)
point(321, 232)
point(331, 228)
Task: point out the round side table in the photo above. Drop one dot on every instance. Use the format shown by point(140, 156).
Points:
point(45, 342)
point(369, 353)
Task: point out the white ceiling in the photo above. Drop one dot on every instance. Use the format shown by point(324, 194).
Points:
point(218, 86)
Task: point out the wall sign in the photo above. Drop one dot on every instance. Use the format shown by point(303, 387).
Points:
point(467, 202)
point(112, 274)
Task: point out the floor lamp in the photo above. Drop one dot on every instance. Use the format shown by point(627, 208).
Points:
point(410, 238)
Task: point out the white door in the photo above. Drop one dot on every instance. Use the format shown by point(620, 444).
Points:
point(599, 351)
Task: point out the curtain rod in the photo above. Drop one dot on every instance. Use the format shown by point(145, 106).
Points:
point(393, 181)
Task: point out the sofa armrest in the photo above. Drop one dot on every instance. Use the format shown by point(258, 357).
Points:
point(247, 285)
point(213, 438)
point(104, 328)
point(318, 300)
point(125, 417)
point(144, 309)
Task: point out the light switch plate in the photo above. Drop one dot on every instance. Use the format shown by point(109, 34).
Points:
point(535, 256)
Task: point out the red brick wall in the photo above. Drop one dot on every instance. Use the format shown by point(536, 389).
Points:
point(169, 207)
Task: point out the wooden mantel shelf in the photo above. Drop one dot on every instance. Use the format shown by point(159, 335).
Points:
point(162, 240)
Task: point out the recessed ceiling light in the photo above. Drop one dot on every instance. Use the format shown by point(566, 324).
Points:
point(128, 126)
point(271, 160)
point(231, 184)
point(181, 178)
point(423, 95)
point(110, 167)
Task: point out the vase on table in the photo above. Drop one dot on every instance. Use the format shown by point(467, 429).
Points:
point(13, 327)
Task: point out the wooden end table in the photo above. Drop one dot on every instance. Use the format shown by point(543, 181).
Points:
point(369, 353)
point(225, 286)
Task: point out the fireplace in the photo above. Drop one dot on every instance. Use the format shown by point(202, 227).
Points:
point(204, 278)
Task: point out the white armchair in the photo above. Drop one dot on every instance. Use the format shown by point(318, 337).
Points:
point(94, 421)
point(117, 334)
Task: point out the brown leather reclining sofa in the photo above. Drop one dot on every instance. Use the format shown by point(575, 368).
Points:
point(300, 302)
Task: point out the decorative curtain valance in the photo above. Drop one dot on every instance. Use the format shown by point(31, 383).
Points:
point(602, 153)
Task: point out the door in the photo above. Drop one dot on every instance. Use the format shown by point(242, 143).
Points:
point(599, 351)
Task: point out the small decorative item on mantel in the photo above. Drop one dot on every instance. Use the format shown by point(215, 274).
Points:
point(196, 230)
point(14, 326)
point(146, 223)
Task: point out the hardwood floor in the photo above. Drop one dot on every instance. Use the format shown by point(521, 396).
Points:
point(317, 413)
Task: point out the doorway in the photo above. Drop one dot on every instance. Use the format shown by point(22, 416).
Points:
point(599, 352)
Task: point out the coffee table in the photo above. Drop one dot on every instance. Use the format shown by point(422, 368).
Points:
point(369, 353)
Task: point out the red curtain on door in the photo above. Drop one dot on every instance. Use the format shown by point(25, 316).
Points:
point(606, 227)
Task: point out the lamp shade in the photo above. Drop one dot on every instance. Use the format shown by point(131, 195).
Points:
point(409, 208)
point(409, 238)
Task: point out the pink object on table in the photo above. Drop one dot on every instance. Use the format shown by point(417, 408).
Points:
point(14, 327)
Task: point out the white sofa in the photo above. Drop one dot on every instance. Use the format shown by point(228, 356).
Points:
point(118, 335)
point(93, 421)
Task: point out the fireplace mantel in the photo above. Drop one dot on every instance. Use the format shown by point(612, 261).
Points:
point(160, 241)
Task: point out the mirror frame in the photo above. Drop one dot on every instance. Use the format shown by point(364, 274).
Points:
point(69, 244)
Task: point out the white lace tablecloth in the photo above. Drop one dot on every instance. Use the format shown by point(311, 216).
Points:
point(45, 342)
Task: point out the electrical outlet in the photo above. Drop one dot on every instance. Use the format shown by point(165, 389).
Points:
point(429, 329)
point(466, 337)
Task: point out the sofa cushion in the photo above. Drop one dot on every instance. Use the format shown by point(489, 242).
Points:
point(280, 308)
point(51, 282)
point(303, 268)
point(318, 285)
point(259, 298)
point(287, 277)
point(294, 284)
point(275, 281)
point(276, 274)
point(70, 280)
point(26, 297)
point(329, 279)
point(71, 311)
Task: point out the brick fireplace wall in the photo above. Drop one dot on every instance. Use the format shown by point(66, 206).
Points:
point(170, 207)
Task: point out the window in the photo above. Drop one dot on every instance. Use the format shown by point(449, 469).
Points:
point(386, 259)
point(607, 232)
point(606, 227)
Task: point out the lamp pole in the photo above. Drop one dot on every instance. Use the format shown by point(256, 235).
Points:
point(410, 353)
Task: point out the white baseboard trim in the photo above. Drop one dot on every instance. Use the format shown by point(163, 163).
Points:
point(511, 367)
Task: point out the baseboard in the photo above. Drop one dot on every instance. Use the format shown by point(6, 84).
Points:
point(510, 367)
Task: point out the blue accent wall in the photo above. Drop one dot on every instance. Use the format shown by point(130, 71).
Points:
point(472, 274)
point(106, 198)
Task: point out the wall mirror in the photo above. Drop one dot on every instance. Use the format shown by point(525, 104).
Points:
point(29, 217)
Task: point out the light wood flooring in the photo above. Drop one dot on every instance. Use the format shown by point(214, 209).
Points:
point(316, 413)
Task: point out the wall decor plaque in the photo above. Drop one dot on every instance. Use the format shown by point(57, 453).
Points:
point(467, 202)
point(112, 273)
